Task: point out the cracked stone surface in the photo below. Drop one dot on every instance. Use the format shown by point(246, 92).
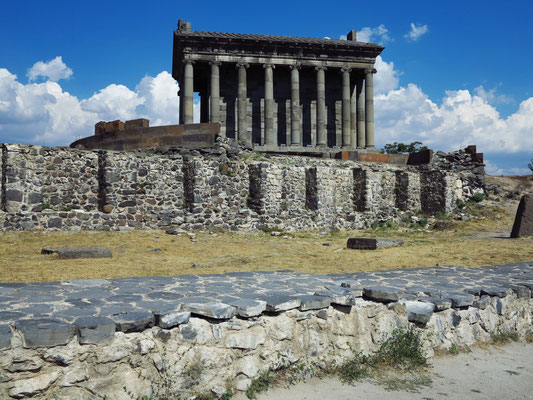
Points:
point(46, 313)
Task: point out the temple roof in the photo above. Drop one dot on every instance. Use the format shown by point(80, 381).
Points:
point(273, 39)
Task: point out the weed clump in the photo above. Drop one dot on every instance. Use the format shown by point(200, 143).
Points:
point(260, 384)
point(401, 350)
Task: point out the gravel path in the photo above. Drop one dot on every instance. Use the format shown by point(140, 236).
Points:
point(494, 373)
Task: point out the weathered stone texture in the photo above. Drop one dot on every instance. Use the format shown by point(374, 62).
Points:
point(223, 187)
point(523, 223)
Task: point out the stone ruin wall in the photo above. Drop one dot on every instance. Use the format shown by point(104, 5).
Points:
point(221, 187)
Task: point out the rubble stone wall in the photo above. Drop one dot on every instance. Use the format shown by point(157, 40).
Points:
point(220, 187)
point(199, 356)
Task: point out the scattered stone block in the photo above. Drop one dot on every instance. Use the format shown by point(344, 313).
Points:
point(372, 243)
point(382, 294)
point(523, 222)
point(482, 303)
point(78, 252)
point(95, 330)
point(5, 336)
point(418, 312)
point(45, 332)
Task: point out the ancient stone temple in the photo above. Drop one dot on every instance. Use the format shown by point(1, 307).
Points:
point(279, 93)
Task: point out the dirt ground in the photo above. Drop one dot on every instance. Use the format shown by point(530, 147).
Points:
point(481, 240)
point(492, 373)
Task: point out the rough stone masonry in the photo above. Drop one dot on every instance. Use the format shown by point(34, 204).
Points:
point(163, 336)
point(224, 186)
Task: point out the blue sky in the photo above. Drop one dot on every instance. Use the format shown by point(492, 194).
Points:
point(452, 73)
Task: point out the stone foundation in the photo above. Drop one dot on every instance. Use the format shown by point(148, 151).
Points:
point(220, 187)
point(243, 323)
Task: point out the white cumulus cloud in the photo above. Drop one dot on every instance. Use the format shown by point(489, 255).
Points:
point(379, 34)
point(386, 78)
point(43, 113)
point(416, 32)
point(52, 70)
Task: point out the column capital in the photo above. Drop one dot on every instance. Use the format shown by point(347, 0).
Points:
point(321, 68)
point(370, 71)
point(296, 66)
point(242, 64)
point(214, 62)
point(269, 65)
point(344, 69)
point(191, 62)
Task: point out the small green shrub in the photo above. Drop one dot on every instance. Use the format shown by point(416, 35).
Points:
point(502, 337)
point(478, 197)
point(357, 367)
point(442, 216)
point(402, 349)
point(423, 221)
point(460, 204)
point(259, 384)
point(454, 350)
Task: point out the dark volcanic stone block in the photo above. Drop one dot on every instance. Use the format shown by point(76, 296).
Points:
point(173, 318)
point(5, 336)
point(45, 332)
point(79, 252)
point(523, 222)
point(372, 243)
point(310, 302)
point(95, 330)
point(382, 293)
point(211, 309)
point(135, 321)
point(277, 302)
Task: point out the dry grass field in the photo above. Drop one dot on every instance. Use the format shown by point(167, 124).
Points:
point(477, 242)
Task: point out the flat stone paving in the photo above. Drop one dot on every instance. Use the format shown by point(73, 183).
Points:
point(51, 312)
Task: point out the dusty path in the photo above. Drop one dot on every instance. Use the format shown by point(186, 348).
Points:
point(495, 373)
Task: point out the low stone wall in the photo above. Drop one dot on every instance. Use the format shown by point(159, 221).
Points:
point(210, 332)
point(220, 187)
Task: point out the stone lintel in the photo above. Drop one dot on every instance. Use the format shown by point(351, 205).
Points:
point(279, 60)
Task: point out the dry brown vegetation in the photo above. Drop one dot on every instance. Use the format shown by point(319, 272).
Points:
point(473, 243)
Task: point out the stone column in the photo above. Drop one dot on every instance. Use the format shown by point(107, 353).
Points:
point(242, 106)
point(188, 102)
point(296, 119)
point(346, 122)
point(270, 138)
point(353, 116)
point(360, 106)
point(369, 107)
point(322, 139)
point(180, 97)
point(215, 91)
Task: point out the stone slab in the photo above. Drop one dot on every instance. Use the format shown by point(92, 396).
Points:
point(95, 330)
point(523, 222)
point(418, 312)
point(45, 332)
point(211, 309)
point(135, 321)
point(372, 243)
point(78, 252)
point(382, 293)
point(248, 308)
point(310, 302)
point(172, 319)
